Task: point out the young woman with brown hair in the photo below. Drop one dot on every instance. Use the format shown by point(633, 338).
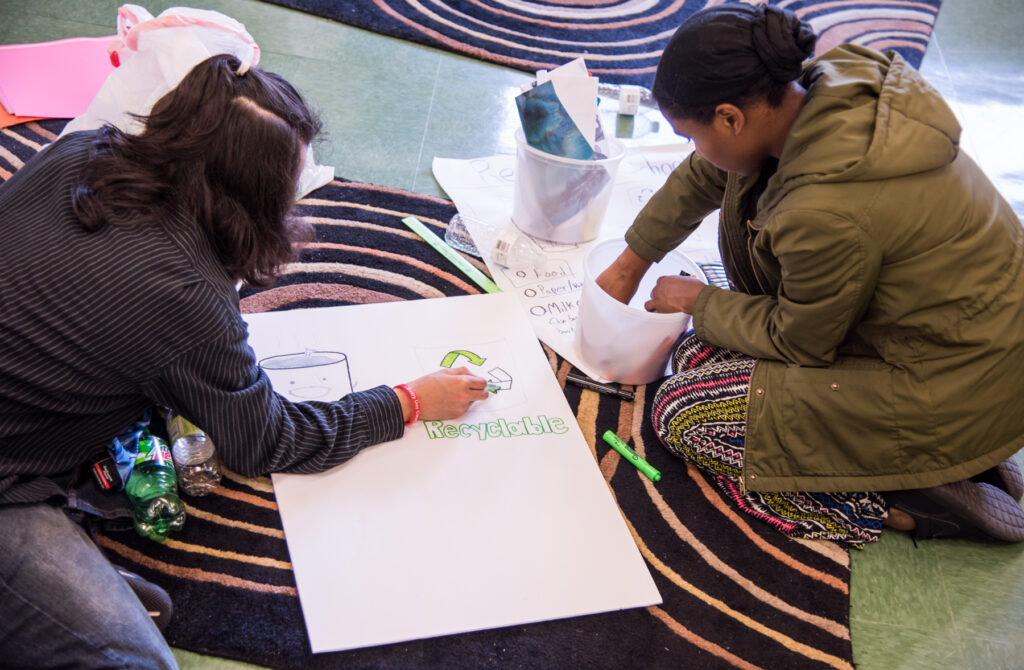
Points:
point(119, 258)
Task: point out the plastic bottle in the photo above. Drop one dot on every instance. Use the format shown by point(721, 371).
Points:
point(458, 237)
point(153, 490)
point(194, 455)
point(515, 249)
point(507, 245)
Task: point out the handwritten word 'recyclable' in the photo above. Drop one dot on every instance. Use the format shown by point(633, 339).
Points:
point(527, 426)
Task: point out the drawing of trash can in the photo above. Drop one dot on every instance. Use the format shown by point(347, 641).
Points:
point(310, 375)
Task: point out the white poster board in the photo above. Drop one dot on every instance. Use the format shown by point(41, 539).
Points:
point(498, 518)
point(549, 293)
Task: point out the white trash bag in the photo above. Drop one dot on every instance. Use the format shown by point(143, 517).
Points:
point(153, 54)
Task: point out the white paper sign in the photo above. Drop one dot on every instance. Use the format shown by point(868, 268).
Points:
point(549, 292)
point(498, 518)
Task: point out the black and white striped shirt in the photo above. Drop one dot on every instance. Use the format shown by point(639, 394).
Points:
point(95, 327)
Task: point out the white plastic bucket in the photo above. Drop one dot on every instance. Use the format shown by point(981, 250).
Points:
point(563, 199)
point(626, 343)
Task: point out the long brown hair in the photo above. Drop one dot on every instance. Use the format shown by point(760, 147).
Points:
point(223, 149)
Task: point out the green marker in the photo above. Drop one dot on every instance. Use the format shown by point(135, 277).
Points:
point(631, 456)
point(433, 240)
point(492, 387)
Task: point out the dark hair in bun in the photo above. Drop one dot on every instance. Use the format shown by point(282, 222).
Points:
point(731, 54)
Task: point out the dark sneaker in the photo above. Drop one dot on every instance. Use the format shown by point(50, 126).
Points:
point(961, 509)
point(931, 519)
point(153, 598)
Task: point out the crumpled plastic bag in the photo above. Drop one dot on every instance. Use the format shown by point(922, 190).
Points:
point(124, 449)
point(153, 55)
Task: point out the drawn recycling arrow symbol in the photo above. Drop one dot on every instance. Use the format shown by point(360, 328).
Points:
point(452, 356)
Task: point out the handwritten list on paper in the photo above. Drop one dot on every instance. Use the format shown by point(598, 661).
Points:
point(549, 291)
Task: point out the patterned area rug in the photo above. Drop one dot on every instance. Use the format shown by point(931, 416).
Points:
point(620, 39)
point(736, 593)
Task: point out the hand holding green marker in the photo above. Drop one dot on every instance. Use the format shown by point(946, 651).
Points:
point(631, 456)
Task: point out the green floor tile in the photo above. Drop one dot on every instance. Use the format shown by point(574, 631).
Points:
point(18, 27)
point(894, 581)
point(190, 661)
point(985, 584)
point(456, 128)
point(97, 12)
point(362, 143)
point(890, 646)
point(994, 26)
point(987, 654)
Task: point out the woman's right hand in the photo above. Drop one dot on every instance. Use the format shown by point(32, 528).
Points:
point(621, 279)
point(445, 394)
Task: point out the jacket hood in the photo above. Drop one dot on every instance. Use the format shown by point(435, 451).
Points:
point(868, 116)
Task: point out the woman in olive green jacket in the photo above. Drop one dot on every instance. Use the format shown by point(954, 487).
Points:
point(879, 300)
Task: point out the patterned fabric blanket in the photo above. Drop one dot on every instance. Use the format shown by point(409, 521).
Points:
point(620, 40)
point(736, 593)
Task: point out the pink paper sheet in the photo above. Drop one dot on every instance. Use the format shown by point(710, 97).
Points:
point(53, 79)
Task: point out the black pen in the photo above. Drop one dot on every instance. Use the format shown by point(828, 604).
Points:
point(588, 383)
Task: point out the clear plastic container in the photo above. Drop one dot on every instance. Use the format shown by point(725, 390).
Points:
point(626, 343)
point(563, 199)
point(505, 245)
point(457, 236)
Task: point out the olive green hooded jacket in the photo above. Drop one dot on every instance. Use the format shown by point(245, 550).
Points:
point(879, 286)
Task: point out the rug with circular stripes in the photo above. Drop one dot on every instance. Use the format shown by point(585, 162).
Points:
point(621, 40)
point(736, 593)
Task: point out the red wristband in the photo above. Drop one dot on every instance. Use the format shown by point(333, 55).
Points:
point(415, 403)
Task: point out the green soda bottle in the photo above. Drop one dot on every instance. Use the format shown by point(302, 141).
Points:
point(153, 490)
